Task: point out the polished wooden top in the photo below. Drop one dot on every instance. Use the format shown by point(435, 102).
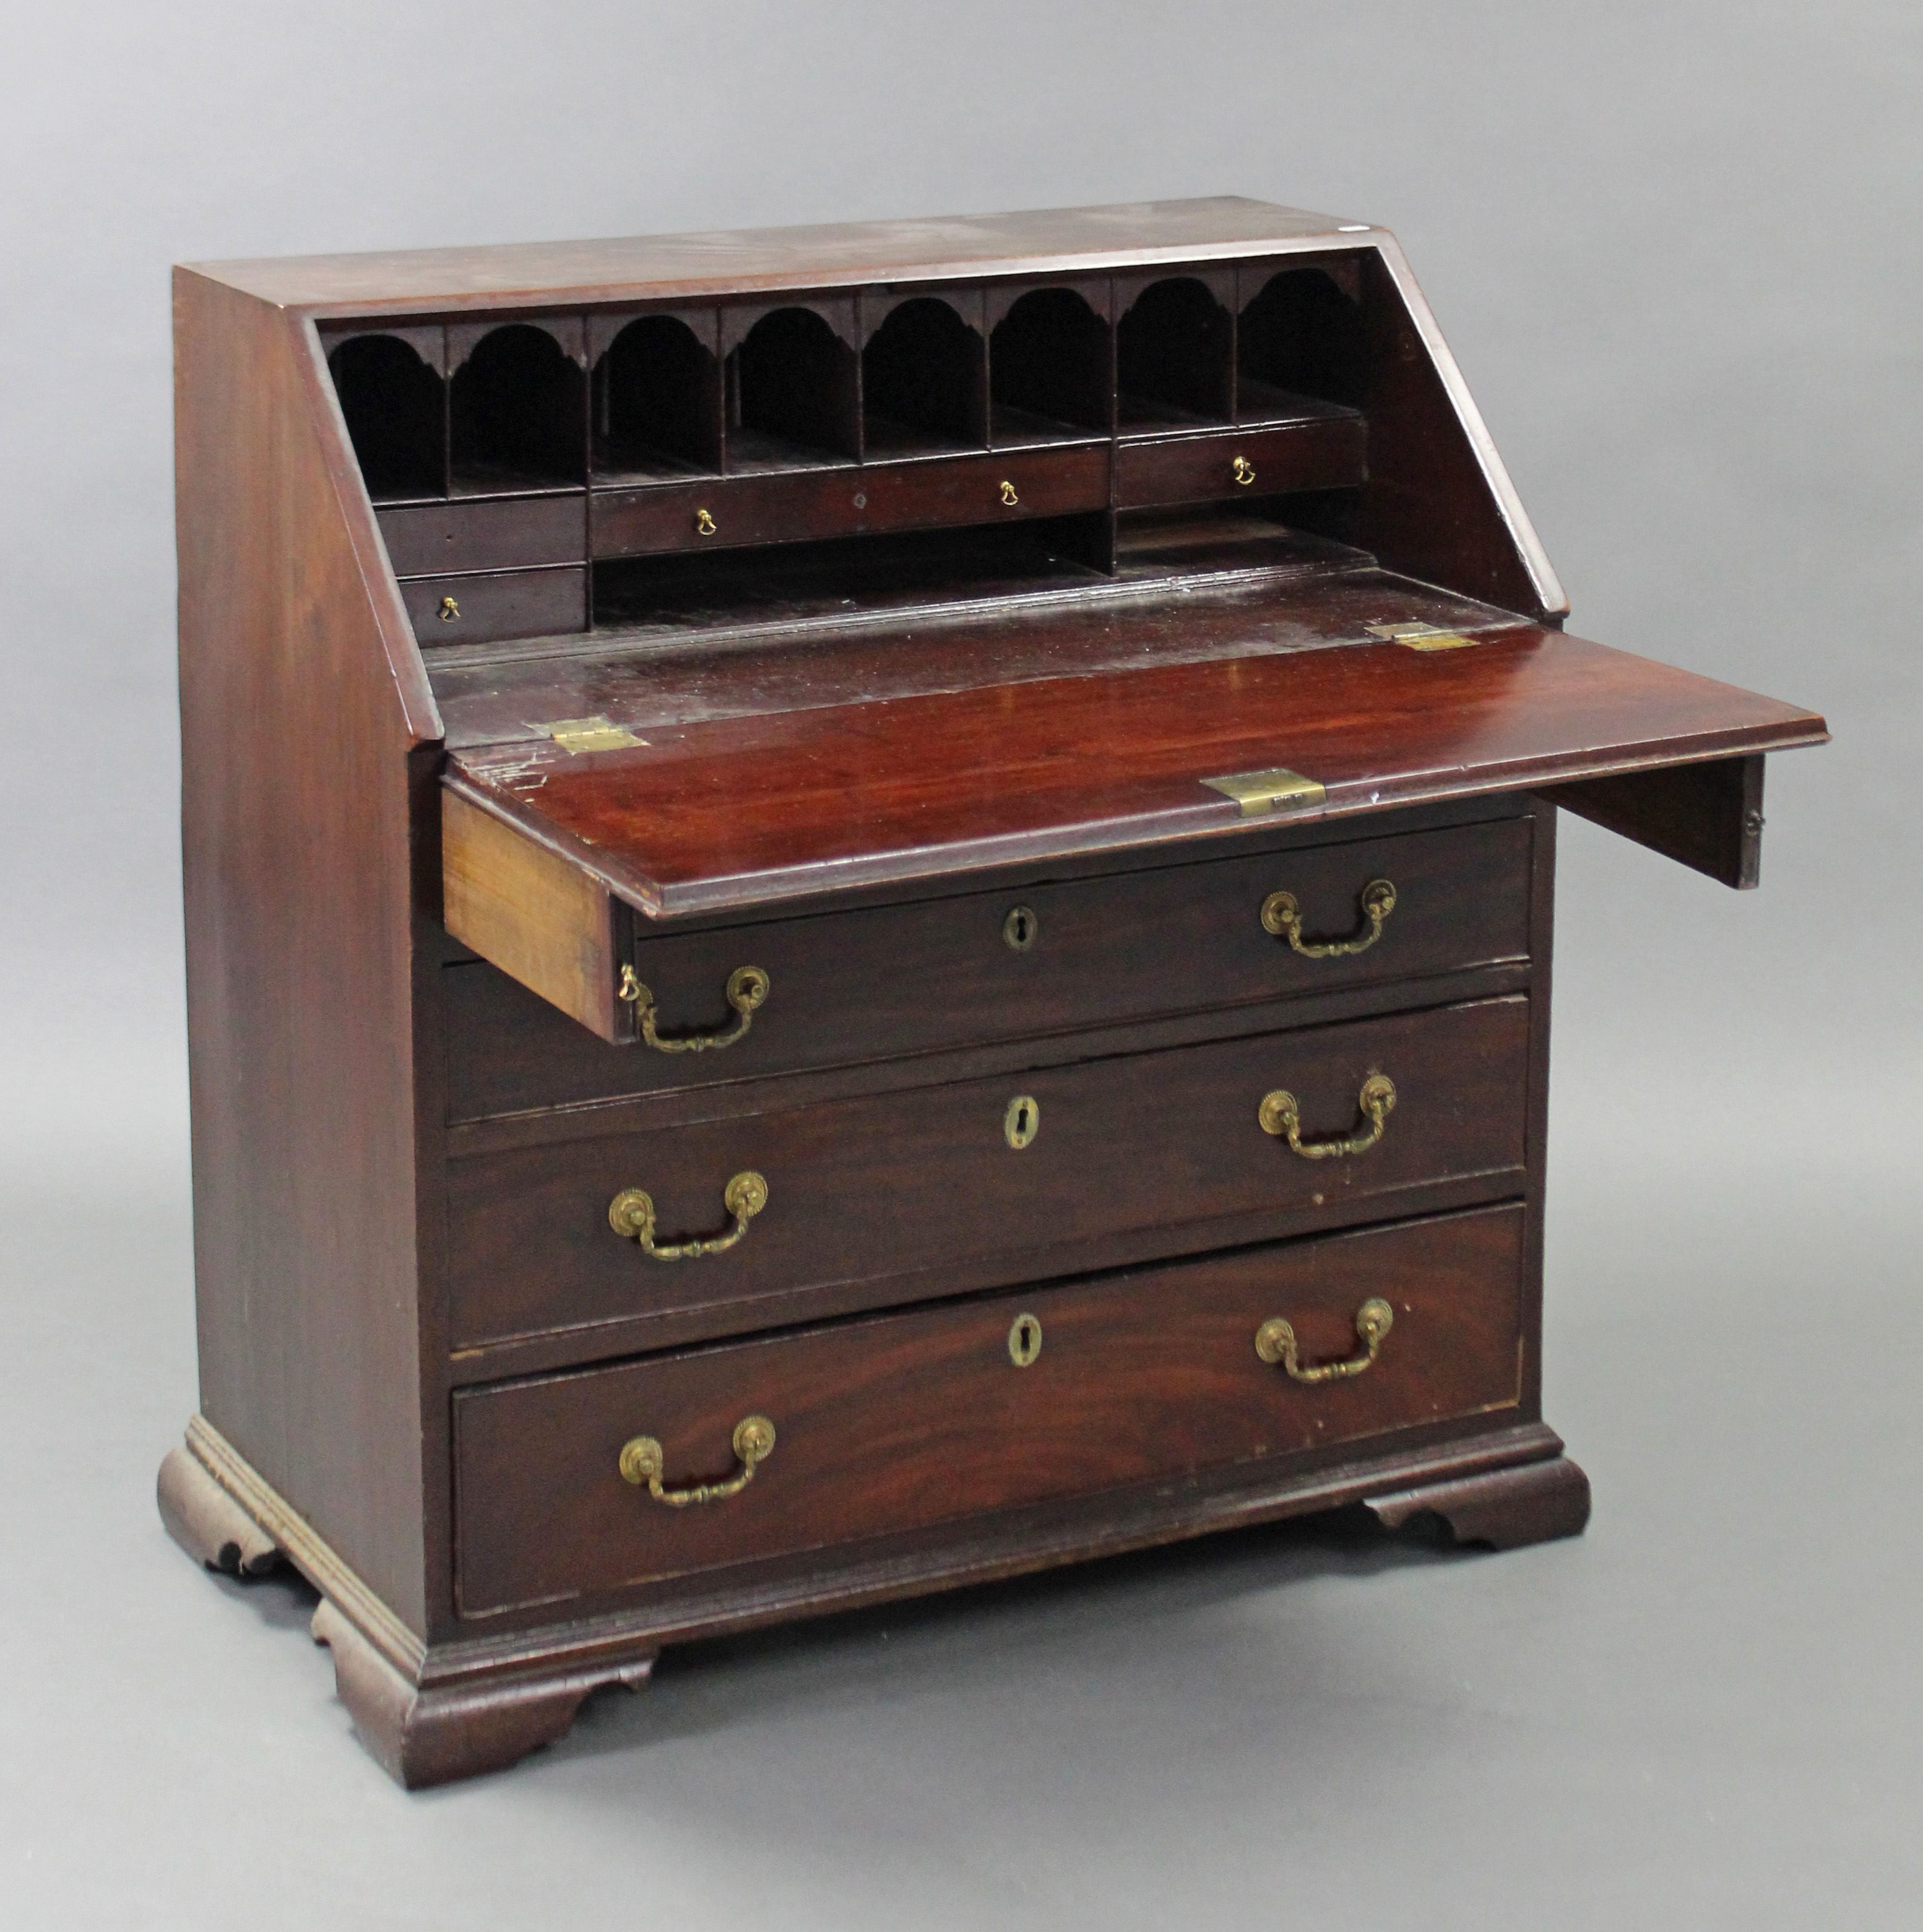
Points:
point(717, 811)
point(1049, 241)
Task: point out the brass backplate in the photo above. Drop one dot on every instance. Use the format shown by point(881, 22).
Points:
point(1268, 791)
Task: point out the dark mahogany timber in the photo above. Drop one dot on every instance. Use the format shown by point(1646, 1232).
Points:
point(1325, 451)
point(898, 979)
point(848, 502)
point(496, 604)
point(785, 805)
point(477, 1704)
point(963, 758)
point(302, 951)
point(489, 533)
point(1708, 817)
point(422, 1736)
point(910, 1419)
point(1505, 1508)
point(918, 1181)
point(207, 1523)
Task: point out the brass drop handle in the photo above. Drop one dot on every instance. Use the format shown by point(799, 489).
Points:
point(1283, 917)
point(1275, 1341)
point(1009, 498)
point(630, 1214)
point(449, 610)
point(1280, 1116)
point(704, 524)
point(642, 1462)
point(747, 988)
point(1242, 470)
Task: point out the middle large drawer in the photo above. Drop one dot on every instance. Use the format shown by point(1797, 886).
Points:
point(996, 1180)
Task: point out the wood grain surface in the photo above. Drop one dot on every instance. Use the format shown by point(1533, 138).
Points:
point(915, 1418)
point(300, 804)
point(917, 1180)
point(844, 254)
point(863, 984)
point(750, 810)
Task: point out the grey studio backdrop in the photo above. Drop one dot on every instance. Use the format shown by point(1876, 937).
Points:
point(1676, 250)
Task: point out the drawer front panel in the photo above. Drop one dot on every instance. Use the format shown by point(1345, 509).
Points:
point(915, 1181)
point(848, 500)
point(493, 533)
point(1328, 453)
point(901, 980)
point(908, 1419)
point(506, 603)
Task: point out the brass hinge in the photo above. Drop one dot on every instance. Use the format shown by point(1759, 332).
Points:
point(1419, 637)
point(1268, 791)
point(588, 734)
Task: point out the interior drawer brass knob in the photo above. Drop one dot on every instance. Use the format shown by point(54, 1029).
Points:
point(630, 1214)
point(1280, 1116)
point(1243, 470)
point(747, 988)
point(642, 1462)
point(1009, 498)
point(1275, 1342)
point(449, 610)
point(704, 524)
point(1283, 917)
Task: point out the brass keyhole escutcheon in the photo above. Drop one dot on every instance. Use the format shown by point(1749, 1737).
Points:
point(1023, 1121)
point(1009, 499)
point(1024, 1340)
point(704, 524)
point(450, 610)
point(1243, 470)
point(1019, 929)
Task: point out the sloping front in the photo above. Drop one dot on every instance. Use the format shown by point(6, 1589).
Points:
point(730, 813)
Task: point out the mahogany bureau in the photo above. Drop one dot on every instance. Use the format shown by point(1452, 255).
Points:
point(866, 907)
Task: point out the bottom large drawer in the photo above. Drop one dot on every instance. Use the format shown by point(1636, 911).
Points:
point(580, 1484)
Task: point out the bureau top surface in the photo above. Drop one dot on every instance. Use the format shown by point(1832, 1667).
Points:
point(725, 786)
point(1047, 240)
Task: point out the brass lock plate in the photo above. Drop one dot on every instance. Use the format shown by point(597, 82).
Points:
point(1024, 1340)
point(1019, 929)
point(1023, 1121)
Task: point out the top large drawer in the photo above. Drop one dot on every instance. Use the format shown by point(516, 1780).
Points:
point(839, 988)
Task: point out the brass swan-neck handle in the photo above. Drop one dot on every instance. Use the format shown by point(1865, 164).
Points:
point(747, 988)
point(1282, 916)
point(630, 1214)
point(642, 1462)
point(1275, 1342)
point(1279, 1115)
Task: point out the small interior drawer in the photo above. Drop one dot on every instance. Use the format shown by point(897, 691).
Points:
point(1327, 452)
point(496, 604)
point(485, 533)
point(912, 1419)
point(848, 500)
point(988, 1180)
point(954, 971)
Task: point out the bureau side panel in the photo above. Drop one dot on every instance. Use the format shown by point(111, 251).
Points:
point(1439, 504)
point(1542, 945)
point(295, 737)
